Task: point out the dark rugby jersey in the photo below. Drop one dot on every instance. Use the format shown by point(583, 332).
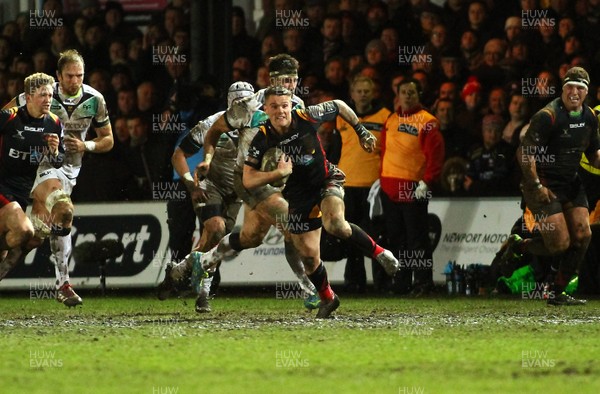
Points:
point(557, 140)
point(77, 113)
point(301, 143)
point(23, 146)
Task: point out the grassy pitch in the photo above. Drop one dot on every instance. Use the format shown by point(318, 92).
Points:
point(260, 344)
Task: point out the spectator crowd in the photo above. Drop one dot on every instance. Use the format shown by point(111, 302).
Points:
point(484, 68)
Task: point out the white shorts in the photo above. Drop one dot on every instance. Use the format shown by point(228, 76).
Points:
point(54, 173)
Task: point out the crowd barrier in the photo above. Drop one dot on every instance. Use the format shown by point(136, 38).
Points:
point(462, 230)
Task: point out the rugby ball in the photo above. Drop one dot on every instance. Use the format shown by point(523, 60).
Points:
point(269, 163)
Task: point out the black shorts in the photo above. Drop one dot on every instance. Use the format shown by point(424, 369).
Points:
point(572, 194)
point(304, 213)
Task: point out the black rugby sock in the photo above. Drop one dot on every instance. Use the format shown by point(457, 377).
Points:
point(363, 242)
point(234, 242)
point(321, 282)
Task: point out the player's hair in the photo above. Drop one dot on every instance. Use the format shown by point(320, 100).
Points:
point(34, 81)
point(408, 80)
point(69, 56)
point(361, 78)
point(282, 64)
point(277, 91)
point(578, 75)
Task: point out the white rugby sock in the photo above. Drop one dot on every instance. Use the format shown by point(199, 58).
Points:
point(182, 269)
point(206, 282)
point(61, 251)
point(223, 249)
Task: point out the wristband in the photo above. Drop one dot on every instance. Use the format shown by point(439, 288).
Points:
point(361, 131)
point(188, 177)
point(208, 157)
point(535, 185)
point(90, 146)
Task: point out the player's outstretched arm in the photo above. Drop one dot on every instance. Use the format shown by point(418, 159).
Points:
point(346, 112)
point(210, 141)
point(182, 169)
point(367, 139)
point(180, 164)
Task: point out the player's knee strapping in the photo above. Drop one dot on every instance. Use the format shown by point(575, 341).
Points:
point(55, 197)
point(41, 229)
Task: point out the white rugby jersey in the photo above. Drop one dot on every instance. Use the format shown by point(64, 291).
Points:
point(76, 113)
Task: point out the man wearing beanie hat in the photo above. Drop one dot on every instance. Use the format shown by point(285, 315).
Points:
point(472, 86)
point(468, 117)
point(491, 170)
point(549, 157)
